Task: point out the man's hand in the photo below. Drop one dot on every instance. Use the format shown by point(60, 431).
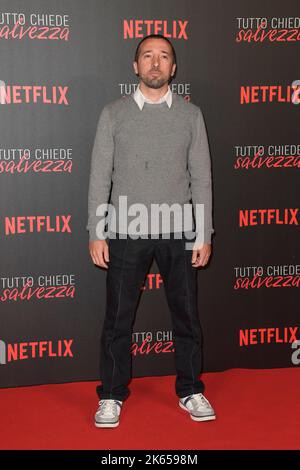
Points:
point(201, 255)
point(99, 252)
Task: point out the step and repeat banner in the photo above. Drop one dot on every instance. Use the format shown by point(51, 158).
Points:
point(61, 62)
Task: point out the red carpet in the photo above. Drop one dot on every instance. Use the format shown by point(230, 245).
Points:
point(256, 409)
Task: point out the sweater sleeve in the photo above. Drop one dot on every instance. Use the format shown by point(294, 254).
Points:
point(100, 172)
point(199, 165)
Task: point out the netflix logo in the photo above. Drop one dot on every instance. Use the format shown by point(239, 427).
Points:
point(153, 281)
point(253, 336)
point(37, 224)
point(270, 94)
point(35, 350)
point(33, 94)
point(175, 29)
point(251, 217)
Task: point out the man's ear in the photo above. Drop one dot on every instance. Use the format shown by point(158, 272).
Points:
point(135, 68)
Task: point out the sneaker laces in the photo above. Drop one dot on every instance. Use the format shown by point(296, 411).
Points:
point(108, 408)
point(200, 400)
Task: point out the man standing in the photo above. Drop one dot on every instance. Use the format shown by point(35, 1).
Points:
point(151, 148)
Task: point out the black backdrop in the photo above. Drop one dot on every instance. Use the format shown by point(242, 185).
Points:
point(50, 330)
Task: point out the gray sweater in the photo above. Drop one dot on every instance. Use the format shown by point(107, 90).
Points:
point(153, 156)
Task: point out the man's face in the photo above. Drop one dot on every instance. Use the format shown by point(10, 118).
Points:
point(154, 64)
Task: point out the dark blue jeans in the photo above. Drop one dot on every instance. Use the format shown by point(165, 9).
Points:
point(130, 260)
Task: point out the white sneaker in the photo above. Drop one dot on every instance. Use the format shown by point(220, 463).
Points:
point(198, 406)
point(108, 413)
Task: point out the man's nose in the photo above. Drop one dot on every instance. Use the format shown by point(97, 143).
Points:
point(155, 62)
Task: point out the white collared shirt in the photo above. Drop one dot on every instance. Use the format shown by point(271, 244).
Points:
point(141, 99)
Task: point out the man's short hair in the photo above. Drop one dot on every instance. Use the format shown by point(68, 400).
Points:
point(158, 36)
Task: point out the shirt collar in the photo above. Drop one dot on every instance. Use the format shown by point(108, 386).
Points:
point(141, 99)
